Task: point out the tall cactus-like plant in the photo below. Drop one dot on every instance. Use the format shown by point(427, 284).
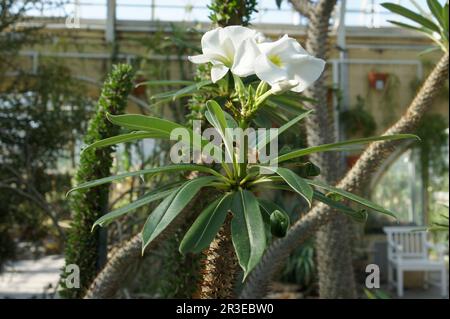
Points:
point(83, 247)
point(236, 101)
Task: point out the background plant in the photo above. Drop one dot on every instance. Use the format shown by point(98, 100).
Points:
point(85, 249)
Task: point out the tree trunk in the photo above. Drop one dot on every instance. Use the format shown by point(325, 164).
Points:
point(358, 176)
point(220, 266)
point(333, 249)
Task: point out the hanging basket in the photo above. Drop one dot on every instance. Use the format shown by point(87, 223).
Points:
point(377, 80)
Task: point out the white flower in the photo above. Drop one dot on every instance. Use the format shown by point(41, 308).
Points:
point(221, 47)
point(287, 62)
point(283, 86)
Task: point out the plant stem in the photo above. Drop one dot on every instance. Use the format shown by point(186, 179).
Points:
point(220, 266)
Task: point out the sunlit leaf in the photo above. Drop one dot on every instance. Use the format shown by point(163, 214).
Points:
point(247, 229)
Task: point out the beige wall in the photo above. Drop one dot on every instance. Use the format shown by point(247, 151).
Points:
point(385, 44)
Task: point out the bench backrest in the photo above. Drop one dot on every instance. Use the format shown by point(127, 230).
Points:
point(412, 241)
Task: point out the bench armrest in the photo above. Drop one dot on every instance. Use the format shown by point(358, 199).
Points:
point(440, 248)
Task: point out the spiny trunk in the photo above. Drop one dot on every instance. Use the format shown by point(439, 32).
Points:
point(334, 259)
point(357, 177)
point(333, 249)
point(220, 266)
point(110, 279)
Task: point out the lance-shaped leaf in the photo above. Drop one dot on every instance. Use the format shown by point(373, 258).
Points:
point(164, 83)
point(282, 129)
point(170, 207)
point(163, 127)
point(411, 27)
point(144, 200)
point(144, 123)
point(155, 170)
point(411, 15)
point(339, 146)
point(290, 103)
point(359, 216)
point(186, 91)
point(247, 230)
point(123, 138)
point(297, 183)
point(437, 11)
point(217, 118)
point(206, 226)
point(350, 196)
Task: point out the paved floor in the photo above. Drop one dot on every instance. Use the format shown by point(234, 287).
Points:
point(417, 293)
point(31, 278)
point(39, 279)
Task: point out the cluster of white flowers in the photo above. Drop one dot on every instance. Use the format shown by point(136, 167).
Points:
point(283, 64)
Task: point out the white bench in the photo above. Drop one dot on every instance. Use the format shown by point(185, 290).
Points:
point(408, 251)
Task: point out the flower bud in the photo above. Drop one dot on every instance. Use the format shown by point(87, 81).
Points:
point(283, 86)
point(279, 223)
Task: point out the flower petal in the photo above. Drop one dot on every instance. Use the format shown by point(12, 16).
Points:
point(269, 47)
point(198, 59)
point(269, 72)
point(244, 60)
point(306, 71)
point(211, 42)
point(218, 71)
point(238, 34)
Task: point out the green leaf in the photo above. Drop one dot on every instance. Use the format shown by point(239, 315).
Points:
point(159, 126)
point(338, 146)
point(206, 226)
point(429, 50)
point(292, 103)
point(231, 122)
point(282, 129)
point(170, 207)
point(144, 200)
point(191, 89)
point(404, 12)
point(437, 11)
point(272, 116)
point(408, 26)
point(445, 18)
point(216, 117)
point(144, 123)
point(188, 90)
point(297, 183)
point(155, 170)
point(247, 230)
point(352, 197)
point(359, 216)
point(138, 135)
point(165, 83)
